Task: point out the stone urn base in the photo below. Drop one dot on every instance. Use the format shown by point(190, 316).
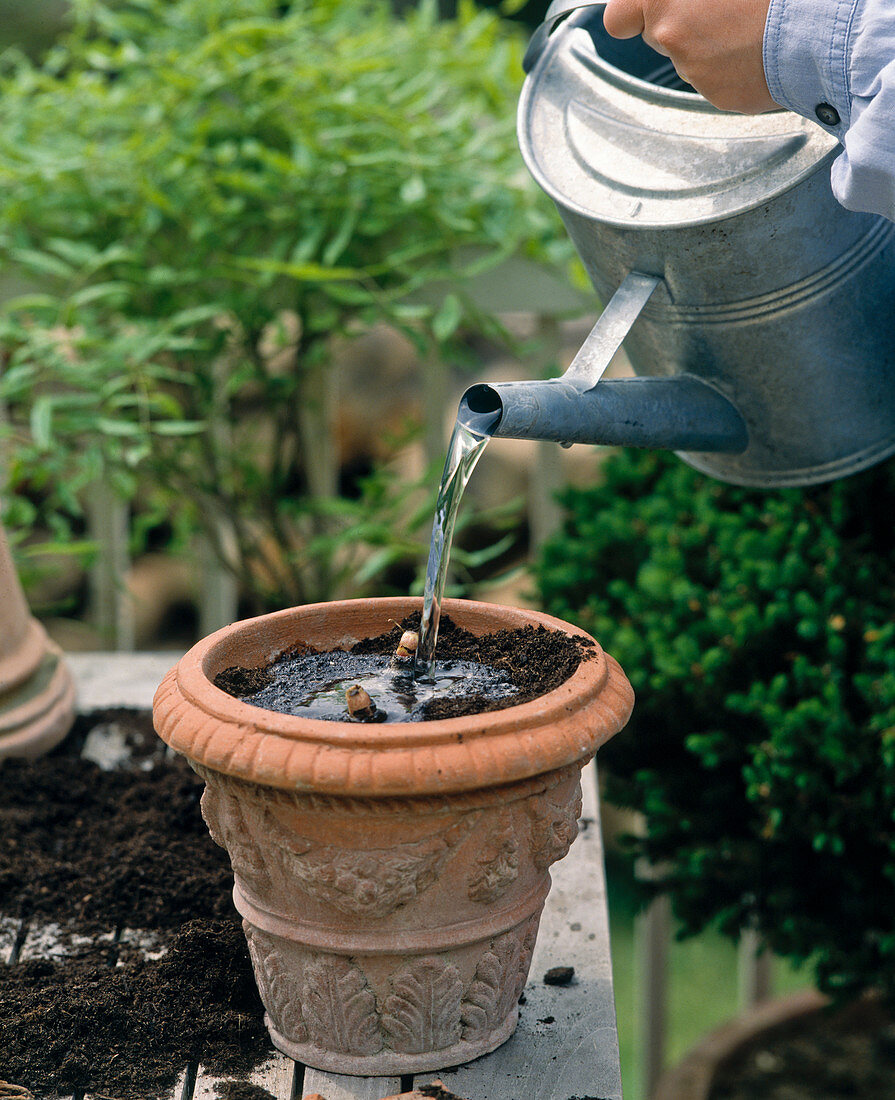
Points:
point(37, 695)
point(37, 711)
point(695, 1076)
point(390, 877)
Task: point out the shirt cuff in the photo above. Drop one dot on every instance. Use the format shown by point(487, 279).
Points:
point(806, 47)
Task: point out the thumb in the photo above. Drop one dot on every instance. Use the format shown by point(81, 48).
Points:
point(624, 18)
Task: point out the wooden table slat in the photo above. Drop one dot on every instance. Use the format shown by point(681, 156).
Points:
point(9, 932)
point(337, 1086)
point(277, 1076)
point(51, 941)
point(118, 680)
point(183, 1090)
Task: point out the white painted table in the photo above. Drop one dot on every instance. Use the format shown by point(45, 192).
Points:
point(566, 1044)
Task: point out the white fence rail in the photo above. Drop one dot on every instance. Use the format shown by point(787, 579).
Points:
point(654, 932)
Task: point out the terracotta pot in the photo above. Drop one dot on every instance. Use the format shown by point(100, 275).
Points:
point(695, 1076)
point(37, 696)
point(391, 877)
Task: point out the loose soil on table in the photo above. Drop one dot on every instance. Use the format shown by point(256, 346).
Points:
point(534, 660)
point(96, 849)
point(96, 852)
point(849, 1053)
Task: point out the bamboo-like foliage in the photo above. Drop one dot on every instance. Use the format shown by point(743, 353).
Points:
point(198, 196)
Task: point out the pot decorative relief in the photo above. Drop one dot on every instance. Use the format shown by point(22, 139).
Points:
point(390, 877)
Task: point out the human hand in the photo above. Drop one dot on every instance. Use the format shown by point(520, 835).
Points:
point(715, 45)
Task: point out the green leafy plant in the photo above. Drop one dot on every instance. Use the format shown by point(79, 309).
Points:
point(196, 198)
point(758, 630)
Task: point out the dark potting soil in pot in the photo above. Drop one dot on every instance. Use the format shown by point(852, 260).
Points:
point(85, 852)
point(474, 674)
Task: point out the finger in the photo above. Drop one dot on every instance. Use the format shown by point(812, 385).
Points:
point(623, 18)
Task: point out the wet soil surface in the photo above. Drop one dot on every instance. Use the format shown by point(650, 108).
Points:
point(849, 1053)
point(92, 852)
point(317, 685)
point(475, 674)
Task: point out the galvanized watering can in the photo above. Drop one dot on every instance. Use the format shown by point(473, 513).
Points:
point(765, 313)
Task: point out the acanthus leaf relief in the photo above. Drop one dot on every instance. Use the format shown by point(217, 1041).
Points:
point(339, 1007)
point(278, 983)
point(499, 979)
point(422, 1012)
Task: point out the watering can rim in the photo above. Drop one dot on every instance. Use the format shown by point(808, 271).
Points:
point(816, 150)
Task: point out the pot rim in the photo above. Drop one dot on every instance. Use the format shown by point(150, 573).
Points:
point(452, 754)
point(194, 677)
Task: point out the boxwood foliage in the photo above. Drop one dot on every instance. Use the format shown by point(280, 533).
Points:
point(758, 631)
point(197, 196)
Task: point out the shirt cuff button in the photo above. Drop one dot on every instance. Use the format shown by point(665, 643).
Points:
point(827, 114)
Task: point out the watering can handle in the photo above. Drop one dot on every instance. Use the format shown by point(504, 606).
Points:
point(613, 325)
point(557, 10)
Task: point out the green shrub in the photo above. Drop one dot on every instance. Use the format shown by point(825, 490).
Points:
point(758, 630)
point(201, 195)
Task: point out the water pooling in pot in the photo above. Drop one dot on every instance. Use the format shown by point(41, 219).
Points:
point(320, 685)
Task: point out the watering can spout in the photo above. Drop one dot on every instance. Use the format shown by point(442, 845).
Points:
point(678, 413)
point(681, 413)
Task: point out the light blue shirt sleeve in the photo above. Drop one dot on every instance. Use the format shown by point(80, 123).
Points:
point(829, 58)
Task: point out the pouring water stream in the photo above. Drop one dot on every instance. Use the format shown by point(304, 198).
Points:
point(468, 441)
point(471, 433)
